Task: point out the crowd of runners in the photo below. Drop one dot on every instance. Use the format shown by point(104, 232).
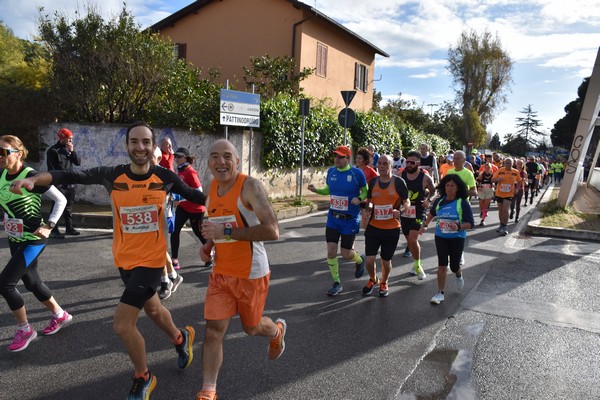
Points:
point(154, 195)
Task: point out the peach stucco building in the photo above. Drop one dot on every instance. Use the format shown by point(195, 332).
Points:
point(226, 33)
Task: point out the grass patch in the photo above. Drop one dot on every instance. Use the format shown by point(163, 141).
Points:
point(553, 215)
point(301, 202)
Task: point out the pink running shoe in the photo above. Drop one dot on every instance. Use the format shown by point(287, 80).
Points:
point(176, 264)
point(22, 340)
point(57, 323)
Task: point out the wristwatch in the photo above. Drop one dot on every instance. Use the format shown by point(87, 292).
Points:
point(52, 225)
point(227, 233)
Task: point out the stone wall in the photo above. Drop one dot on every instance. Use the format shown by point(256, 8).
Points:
point(104, 144)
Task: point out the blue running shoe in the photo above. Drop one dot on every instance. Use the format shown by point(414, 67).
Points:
point(335, 289)
point(185, 351)
point(407, 254)
point(142, 388)
point(360, 268)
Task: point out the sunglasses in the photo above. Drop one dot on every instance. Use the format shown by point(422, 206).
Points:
point(7, 152)
point(411, 162)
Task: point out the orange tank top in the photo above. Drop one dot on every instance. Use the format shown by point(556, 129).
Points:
point(384, 201)
point(243, 259)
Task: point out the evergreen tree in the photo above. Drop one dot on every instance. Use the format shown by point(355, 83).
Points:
point(528, 130)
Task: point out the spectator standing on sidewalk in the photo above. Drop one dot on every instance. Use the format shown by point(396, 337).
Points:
point(62, 157)
point(167, 154)
point(27, 235)
point(454, 217)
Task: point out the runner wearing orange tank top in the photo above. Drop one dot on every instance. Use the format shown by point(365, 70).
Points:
point(240, 218)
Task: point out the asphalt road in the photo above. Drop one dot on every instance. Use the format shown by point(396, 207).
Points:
point(526, 326)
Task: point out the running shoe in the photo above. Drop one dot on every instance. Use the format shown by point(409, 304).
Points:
point(277, 346)
point(335, 289)
point(165, 290)
point(142, 388)
point(383, 289)
point(22, 340)
point(504, 231)
point(517, 220)
point(407, 253)
point(420, 273)
point(185, 350)
point(512, 215)
point(360, 268)
point(460, 282)
point(56, 324)
point(482, 223)
point(176, 264)
point(368, 289)
point(176, 282)
point(438, 298)
point(206, 396)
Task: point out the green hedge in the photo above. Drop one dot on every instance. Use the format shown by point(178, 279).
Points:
point(281, 127)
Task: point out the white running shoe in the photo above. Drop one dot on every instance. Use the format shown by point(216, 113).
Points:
point(438, 298)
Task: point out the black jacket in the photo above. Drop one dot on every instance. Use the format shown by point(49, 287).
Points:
point(57, 158)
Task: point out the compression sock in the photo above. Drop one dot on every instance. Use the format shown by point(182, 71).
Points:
point(357, 258)
point(334, 268)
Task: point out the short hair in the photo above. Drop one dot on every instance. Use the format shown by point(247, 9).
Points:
point(135, 125)
point(461, 192)
point(414, 153)
point(365, 154)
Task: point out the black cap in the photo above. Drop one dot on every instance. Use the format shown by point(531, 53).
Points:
point(182, 151)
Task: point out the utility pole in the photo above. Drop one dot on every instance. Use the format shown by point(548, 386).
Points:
point(431, 107)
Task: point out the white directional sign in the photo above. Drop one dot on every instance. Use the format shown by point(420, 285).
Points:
point(239, 108)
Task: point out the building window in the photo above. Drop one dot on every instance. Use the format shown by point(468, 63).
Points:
point(321, 60)
point(179, 51)
point(361, 77)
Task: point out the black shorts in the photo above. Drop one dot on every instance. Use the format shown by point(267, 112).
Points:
point(387, 239)
point(501, 199)
point(449, 249)
point(333, 236)
point(411, 224)
point(140, 285)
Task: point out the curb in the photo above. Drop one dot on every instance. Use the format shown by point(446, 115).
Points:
point(534, 228)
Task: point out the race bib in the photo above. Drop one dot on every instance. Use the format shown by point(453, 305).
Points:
point(505, 187)
point(384, 212)
point(410, 212)
point(486, 186)
point(447, 225)
point(228, 221)
point(140, 219)
point(339, 203)
point(14, 227)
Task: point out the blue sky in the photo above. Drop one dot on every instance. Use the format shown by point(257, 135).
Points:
point(553, 43)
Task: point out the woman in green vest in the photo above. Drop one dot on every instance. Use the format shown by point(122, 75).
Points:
point(27, 234)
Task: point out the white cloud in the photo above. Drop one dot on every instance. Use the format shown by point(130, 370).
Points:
point(430, 74)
